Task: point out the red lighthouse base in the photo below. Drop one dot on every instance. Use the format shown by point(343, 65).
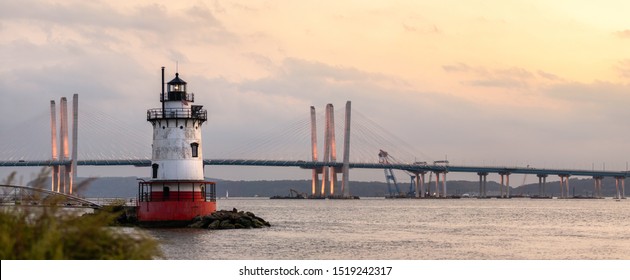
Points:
point(174, 211)
point(174, 208)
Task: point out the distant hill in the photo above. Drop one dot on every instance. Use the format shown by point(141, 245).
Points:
point(128, 187)
point(577, 186)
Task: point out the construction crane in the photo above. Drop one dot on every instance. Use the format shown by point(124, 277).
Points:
point(297, 194)
point(385, 158)
point(293, 194)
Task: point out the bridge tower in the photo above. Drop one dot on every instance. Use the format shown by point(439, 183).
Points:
point(330, 170)
point(64, 176)
point(177, 191)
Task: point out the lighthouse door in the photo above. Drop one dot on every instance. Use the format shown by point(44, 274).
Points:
point(166, 192)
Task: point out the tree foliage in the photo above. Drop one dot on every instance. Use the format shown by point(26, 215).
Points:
point(52, 232)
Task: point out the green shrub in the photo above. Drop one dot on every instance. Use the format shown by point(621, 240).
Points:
point(54, 233)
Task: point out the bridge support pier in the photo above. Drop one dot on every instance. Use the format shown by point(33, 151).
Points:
point(597, 188)
point(482, 183)
point(503, 185)
point(428, 185)
point(444, 193)
point(314, 182)
point(419, 184)
point(542, 182)
point(506, 185)
point(564, 185)
point(619, 193)
point(437, 184)
point(423, 190)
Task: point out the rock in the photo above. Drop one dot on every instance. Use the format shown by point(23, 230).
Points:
point(197, 224)
point(226, 224)
point(245, 222)
point(225, 219)
point(215, 225)
point(258, 224)
point(208, 219)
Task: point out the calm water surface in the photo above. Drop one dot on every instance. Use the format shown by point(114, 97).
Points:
point(414, 229)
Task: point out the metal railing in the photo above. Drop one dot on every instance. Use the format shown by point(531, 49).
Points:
point(146, 193)
point(199, 114)
point(177, 96)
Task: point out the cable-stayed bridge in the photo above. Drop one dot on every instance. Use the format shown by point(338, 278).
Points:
point(366, 137)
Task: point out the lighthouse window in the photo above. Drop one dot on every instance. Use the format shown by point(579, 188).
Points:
point(155, 170)
point(177, 88)
point(195, 149)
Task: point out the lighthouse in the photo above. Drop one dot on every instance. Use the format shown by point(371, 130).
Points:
point(177, 191)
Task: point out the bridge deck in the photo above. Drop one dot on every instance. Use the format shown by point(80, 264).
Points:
point(310, 165)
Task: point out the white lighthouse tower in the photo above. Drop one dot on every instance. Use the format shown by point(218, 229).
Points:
point(177, 191)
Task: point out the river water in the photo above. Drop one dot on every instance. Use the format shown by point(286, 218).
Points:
point(407, 229)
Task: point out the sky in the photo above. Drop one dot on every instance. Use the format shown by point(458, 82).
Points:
point(539, 83)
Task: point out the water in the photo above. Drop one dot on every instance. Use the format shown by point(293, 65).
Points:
point(414, 229)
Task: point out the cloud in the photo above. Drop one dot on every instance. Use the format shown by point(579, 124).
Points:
point(465, 68)
point(459, 67)
point(304, 70)
point(624, 34)
point(93, 20)
point(509, 78)
point(261, 60)
point(428, 29)
point(514, 72)
point(548, 76)
point(624, 68)
point(250, 107)
point(498, 83)
point(602, 93)
point(598, 105)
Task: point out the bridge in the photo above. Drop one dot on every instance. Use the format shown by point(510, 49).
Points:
point(62, 164)
point(415, 168)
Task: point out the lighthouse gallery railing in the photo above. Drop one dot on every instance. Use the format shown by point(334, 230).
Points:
point(194, 113)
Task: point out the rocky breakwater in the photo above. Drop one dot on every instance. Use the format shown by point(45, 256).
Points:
point(225, 219)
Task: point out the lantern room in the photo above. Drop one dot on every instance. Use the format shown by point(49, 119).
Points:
point(177, 84)
point(177, 90)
